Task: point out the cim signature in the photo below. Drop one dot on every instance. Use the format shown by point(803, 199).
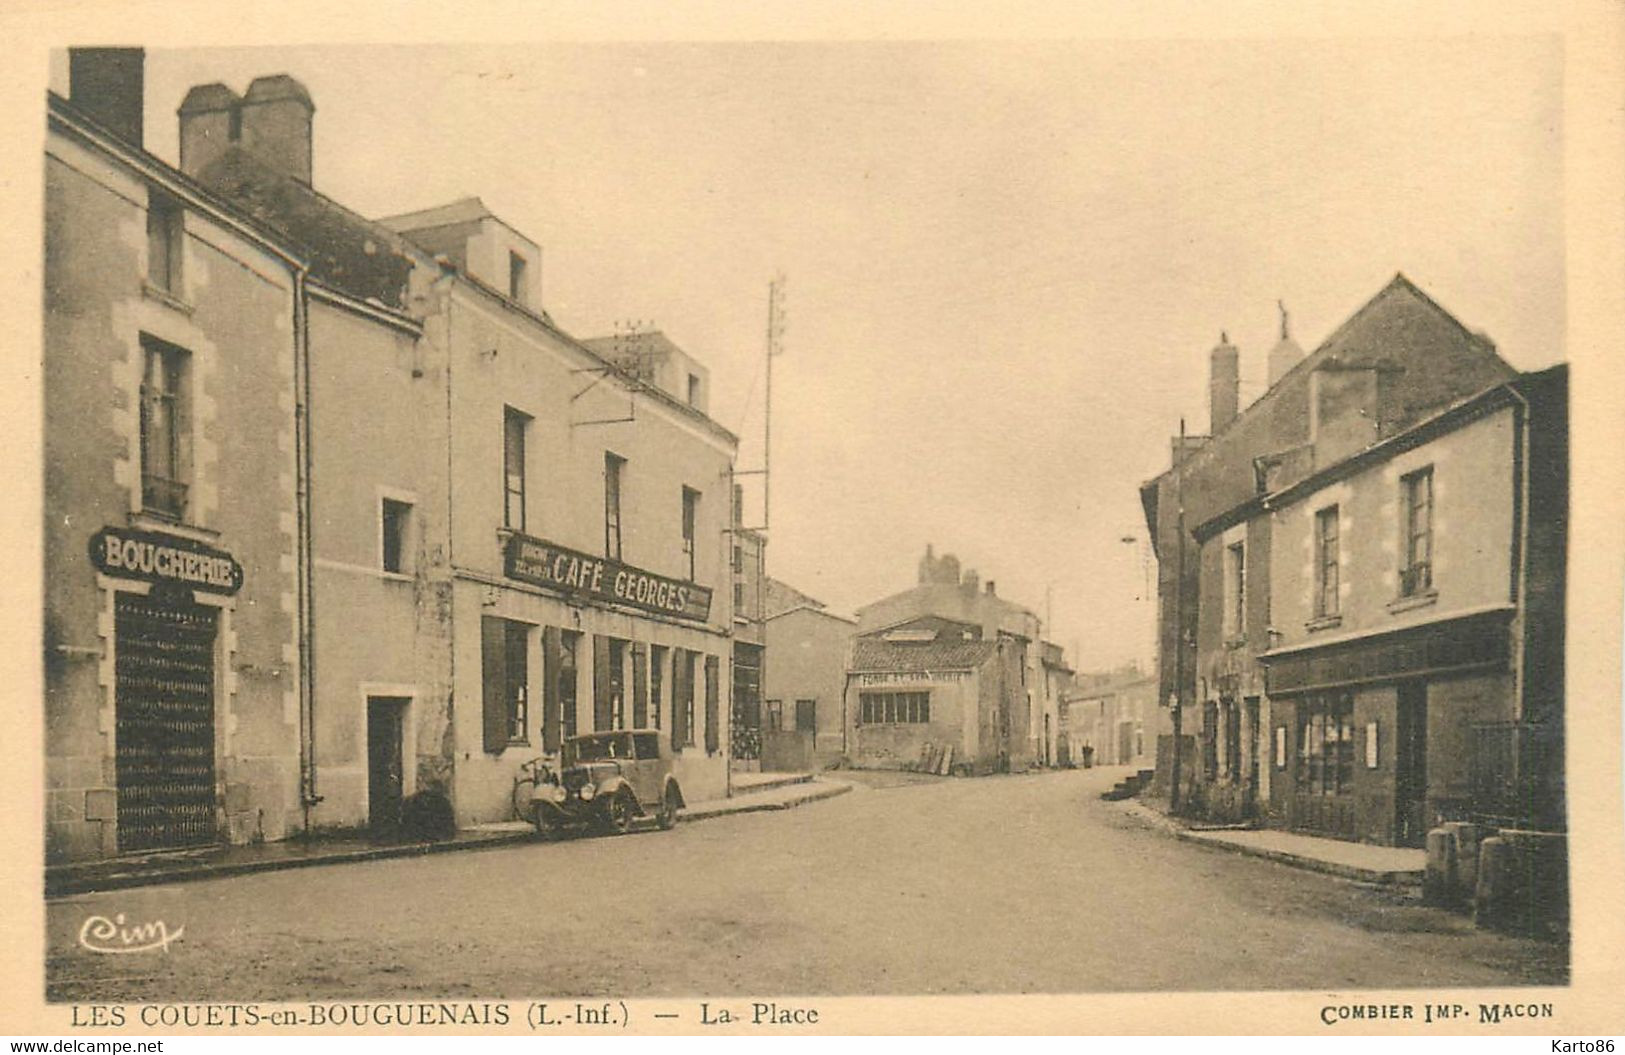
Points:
point(100, 934)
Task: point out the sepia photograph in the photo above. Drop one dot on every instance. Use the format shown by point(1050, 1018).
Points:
point(670, 534)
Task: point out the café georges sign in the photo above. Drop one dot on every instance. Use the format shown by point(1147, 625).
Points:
point(571, 572)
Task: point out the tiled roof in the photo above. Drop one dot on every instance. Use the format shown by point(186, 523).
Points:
point(345, 249)
point(871, 654)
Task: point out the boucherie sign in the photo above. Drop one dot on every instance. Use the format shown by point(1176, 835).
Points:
point(542, 563)
point(164, 558)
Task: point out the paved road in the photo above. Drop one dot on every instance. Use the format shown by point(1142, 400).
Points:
point(1007, 884)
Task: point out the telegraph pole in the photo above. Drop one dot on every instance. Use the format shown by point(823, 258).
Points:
point(1179, 618)
point(775, 345)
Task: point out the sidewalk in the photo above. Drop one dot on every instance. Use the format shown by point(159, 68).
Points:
point(781, 791)
point(1383, 865)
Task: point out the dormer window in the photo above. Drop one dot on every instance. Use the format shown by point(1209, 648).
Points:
point(516, 277)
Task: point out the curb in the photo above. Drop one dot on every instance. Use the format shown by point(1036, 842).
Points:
point(120, 881)
point(62, 886)
point(1371, 876)
point(817, 791)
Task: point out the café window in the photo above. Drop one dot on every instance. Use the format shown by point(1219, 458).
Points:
point(657, 683)
point(894, 708)
point(569, 650)
point(691, 510)
point(690, 661)
point(515, 426)
point(614, 469)
point(1326, 744)
point(165, 429)
point(505, 649)
point(395, 529)
point(1416, 576)
point(165, 233)
point(1326, 567)
point(617, 683)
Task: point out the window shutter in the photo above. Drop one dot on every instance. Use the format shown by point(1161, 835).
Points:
point(640, 685)
point(680, 690)
point(600, 683)
point(494, 664)
point(713, 728)
point(552, 659)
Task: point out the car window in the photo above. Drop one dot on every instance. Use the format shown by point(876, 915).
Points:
point(648, 745)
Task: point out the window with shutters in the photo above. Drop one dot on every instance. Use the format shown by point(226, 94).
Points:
point(713, 705)
point(515, 426)
point(166, 448)
point(614, 470)
point(657, 683)
point(505, 647)
point(689, 661)
point(569, 650)
point(617, 683)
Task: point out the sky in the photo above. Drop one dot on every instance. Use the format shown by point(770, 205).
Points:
point(1006, 262)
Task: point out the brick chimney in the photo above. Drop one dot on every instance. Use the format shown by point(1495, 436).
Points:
point(107, 85)
point(273, 120)
point(1224, 385)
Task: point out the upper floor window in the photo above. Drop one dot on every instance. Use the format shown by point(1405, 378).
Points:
point(395, 518)
point(514, 427)
point(1235, 590)
point(1326, 556)
point(516, 277)
point(693, 390)
point(1417, 575)
point(165, 446)
point(614, 466)
point(164, 233)
point(691, 509)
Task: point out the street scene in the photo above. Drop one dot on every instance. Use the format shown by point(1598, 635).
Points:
point(943, 521)
point(832, 901)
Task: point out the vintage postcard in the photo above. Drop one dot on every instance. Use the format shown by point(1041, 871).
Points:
point(568, 521)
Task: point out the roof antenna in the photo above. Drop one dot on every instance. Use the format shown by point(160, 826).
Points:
point(1284, 334)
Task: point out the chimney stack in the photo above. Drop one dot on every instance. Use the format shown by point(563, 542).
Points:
point(1286, 353)
point(273, 120)
point(1224, 385)
point(107, 84)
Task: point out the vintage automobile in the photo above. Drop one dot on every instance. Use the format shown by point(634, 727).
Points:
point(607, 781)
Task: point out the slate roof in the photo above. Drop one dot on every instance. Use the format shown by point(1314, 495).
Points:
point(346, 250)
point(871, 654)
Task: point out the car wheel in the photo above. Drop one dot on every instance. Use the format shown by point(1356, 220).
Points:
point(621, 812)
point(667, 817)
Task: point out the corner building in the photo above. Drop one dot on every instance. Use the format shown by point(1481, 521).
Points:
point(172, 577)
